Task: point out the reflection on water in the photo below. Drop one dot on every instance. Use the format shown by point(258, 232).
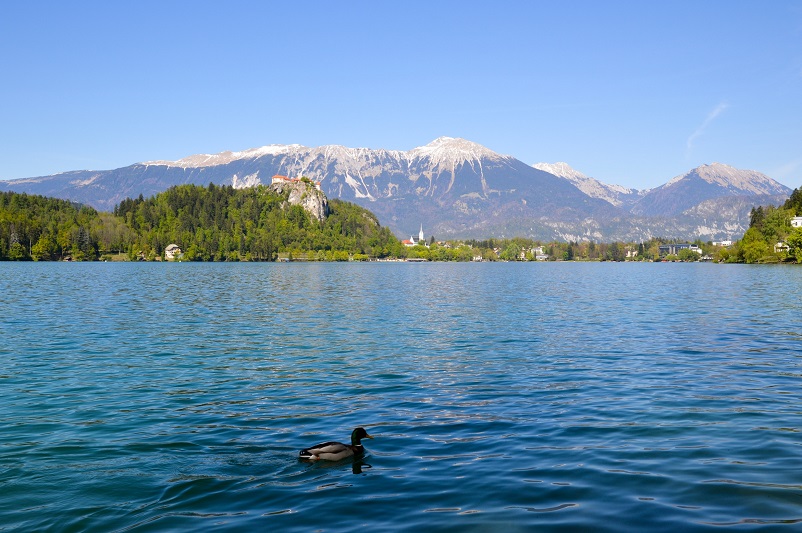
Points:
point(502, 396)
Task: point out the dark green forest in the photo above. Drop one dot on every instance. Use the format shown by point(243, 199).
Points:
point(214, 223)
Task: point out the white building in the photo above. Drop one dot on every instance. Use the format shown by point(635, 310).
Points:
point(412, 241)
point(172, 252)
point(674, 249)
point(796, 222)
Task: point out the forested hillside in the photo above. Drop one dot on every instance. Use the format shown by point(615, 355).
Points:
point(770, 237)
point(208, 223)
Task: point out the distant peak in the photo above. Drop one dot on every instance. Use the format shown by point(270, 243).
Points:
point(731, 178)
point(453, 150)
point(451, 142)
point(222, 158)
point(590, 186)
point(561, 169)
point(444, 139)
point(715, 166)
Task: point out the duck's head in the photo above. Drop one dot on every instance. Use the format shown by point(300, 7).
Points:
point(358, 434)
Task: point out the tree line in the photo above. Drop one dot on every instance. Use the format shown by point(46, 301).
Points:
point(36, 227)
point(214, 223)
point(524, 249)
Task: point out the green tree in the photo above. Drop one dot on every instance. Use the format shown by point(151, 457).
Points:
point(86, 247)
point(794, 202)
point(45, 248)
point(17, 252)
point(794, 242)
point(511, 252)
point(616, 252)
point(756, 217)
point(752, 248)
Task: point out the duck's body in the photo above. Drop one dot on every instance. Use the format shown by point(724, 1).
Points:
point(334, 451)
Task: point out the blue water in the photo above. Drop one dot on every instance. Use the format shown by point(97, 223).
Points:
point(503, 397)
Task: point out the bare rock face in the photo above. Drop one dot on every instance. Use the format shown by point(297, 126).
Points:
point(306, 195)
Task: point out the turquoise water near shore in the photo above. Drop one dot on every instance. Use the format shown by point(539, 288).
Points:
point(503, 397)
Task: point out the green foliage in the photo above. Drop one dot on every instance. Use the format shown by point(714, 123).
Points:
point(752, 248)
point(794, 242)
point(208, 223)
point(16, 252)
point(769, 226)
point(511, 252)
point(794, 203)
point(756, 216)
point(39, 228)
point(227, 224)
point(615, 252)
point(45, 248)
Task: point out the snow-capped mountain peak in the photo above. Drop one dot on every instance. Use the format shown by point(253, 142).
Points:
point(706, 182)
point(342, 153)
point(223, 158)
point(730, 178)
point(452, 151)
point(615, 194)
point(443, 150)
point(560, 169)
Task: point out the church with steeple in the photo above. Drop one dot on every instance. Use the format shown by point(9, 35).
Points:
point(412, 241)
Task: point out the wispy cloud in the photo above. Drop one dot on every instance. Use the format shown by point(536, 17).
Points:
point(710, 118)
point(788, 173)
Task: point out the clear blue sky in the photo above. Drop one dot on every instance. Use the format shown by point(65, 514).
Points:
point(632, 93)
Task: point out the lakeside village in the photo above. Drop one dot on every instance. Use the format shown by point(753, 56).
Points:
point(520, 249)
point(419, 249)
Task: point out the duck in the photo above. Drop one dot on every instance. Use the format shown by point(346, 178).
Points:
point(335, 451)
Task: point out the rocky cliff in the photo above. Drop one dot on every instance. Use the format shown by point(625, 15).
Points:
point(306, 195)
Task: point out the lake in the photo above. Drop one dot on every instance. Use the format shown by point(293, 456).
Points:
point(502, 396)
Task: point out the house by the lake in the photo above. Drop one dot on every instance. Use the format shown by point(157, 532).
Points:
point(172, 252)
point(674, 249)
point(781, 247)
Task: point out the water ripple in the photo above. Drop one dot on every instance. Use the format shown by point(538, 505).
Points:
point(502, 396)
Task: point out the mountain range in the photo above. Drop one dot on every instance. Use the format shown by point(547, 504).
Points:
point(455, 188)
